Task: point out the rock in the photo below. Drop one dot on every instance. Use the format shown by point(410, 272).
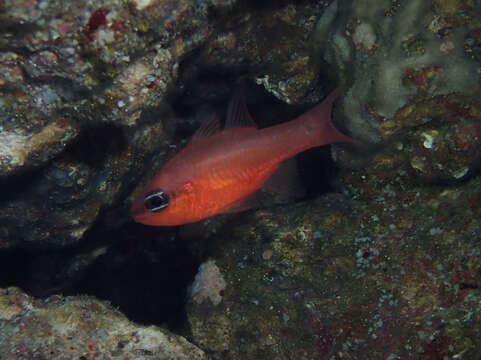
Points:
point(386, 267)
point(79, 82)
point(431, 141)
point(80, 328)
point(389, 273)
point(273, 42)
point(389, 268)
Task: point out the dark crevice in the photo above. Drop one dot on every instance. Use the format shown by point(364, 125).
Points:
point(92, 147)
point(142, 271)
point(13, 29)
point(13, 186)
point(248, 7)
point(96, 143)
point(145, 273)
point(67, 89)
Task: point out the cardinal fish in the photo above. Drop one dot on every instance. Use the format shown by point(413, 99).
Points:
point(220, 170)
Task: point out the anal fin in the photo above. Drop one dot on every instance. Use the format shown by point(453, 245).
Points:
point(286, 181)
point(251, 202)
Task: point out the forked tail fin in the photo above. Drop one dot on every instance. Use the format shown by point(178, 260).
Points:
point(319, 119)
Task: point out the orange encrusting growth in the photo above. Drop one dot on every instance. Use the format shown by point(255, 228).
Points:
point(213, 174)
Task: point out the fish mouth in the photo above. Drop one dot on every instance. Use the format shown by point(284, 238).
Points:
point(141, 215)
point(137, 210)
point(141, 218)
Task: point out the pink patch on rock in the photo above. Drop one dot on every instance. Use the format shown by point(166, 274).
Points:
point(97, 19)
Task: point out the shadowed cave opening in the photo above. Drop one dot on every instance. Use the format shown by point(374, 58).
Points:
point(146, 271)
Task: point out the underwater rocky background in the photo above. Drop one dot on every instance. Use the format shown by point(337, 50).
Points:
point(382, 259)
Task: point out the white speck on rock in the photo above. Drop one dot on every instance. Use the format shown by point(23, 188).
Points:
point(142, 4)
point(435, 231)
point(208, 283)
point(13, 148)
point(364, 37)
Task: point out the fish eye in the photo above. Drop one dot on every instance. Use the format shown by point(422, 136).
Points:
point(156, 200)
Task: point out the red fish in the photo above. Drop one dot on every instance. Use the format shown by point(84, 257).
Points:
point(219, 169)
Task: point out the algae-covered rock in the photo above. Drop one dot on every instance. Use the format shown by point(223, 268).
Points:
point(388, 267)
point(273, 41)
point(82, 87)
point(80, 328)
point(370, 278)
point(391, 268)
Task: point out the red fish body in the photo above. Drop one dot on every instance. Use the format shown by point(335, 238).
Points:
point(215, 172)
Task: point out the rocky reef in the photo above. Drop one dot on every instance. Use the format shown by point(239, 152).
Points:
point(381, 259)
point(80, 328)
point(383, 271)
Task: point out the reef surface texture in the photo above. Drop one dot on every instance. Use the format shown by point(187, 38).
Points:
point(96, 95)
point(80, 328)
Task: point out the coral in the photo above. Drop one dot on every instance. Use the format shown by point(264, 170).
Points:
point(411, 54)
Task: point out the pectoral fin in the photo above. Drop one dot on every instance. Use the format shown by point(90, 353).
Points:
point(286, 181)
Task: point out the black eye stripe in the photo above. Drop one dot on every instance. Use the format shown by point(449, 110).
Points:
point(156, 200)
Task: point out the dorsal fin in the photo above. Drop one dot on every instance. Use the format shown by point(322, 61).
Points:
point(208, 128)
point(237, 112)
